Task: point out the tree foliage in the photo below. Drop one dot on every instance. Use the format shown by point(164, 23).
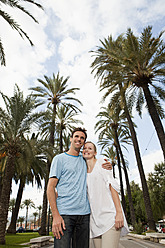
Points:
point(156, 184)
point(11, 21)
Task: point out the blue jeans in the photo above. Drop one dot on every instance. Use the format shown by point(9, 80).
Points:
point(77, 226)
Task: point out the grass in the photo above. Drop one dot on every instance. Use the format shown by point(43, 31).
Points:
point(14, 240)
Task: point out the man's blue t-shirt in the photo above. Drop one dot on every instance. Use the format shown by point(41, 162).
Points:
point(72, 187)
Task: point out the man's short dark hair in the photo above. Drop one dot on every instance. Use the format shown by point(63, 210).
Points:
point(83, 130)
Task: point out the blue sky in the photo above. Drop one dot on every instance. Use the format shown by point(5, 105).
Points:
point(66, 32)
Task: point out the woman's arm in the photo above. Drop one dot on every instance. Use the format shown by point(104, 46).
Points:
point(119, 219)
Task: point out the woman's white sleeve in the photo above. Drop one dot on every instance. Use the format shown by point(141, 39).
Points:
point(108, 177)
point(112, 181)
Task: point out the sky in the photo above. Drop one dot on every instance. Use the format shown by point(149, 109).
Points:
point(66, 33)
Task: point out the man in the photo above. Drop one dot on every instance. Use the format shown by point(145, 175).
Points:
point(71, 210)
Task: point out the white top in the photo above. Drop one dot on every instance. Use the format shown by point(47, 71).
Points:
point(103, 210)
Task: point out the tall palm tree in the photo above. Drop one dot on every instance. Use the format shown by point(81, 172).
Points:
point(141, 61)
point(120, 99)
point(33, 168)
point(39, 214)
point(114, 123)
point(21, 220)
point(12, 226)
point(15, 122)
point(28, 203)
point(3, 159)
point(108, 62)
point(35, 214)
point(53, 91)
point(13, 24)
point(65, 119)
point(146, 75)
point(107, 153)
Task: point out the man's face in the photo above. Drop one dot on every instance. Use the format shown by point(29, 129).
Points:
point(78, 140)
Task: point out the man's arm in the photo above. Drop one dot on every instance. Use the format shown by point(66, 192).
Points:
point(58, 222)
point(119, 219)
point(107, 165)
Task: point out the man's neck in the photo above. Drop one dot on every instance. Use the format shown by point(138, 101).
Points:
point(73, 152)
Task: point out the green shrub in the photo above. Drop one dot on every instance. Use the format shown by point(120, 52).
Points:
point(138, 227)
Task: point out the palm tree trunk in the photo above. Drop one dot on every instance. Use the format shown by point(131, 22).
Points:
point(5, 196)
point(132, 211)
point(12, 227)
point(39, 218)
point(155, 117)
point(121, 183)
point(26, 217)
point(61, 144)
point(52, 130)
point(48, 222)
point(0, 183)
point(146, 196)
point(51, 138)
point(34, 222)
point(42, 230)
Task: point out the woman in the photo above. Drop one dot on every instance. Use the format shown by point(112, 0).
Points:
point(107, 220)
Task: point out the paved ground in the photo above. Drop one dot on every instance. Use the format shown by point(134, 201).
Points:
point(127, 242)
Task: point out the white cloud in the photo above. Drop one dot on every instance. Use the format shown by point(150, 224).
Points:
point(23, 62)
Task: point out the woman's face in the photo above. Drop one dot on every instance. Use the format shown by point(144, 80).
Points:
point(89, 151)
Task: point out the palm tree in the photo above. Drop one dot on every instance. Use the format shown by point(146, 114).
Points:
point(141, 60)
point(21, 220)
point(2, 167)
point(13, 24)
point(15, 122)
point(35, 214)
point(146, 75)
point(27, 171)
point(114, 126)
point(54, 90)
point(108, 63)
point(39, 214)
point(65, 118)
point(28, 203)
point(12, 226)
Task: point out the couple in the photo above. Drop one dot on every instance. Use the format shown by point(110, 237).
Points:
point(71, 175)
